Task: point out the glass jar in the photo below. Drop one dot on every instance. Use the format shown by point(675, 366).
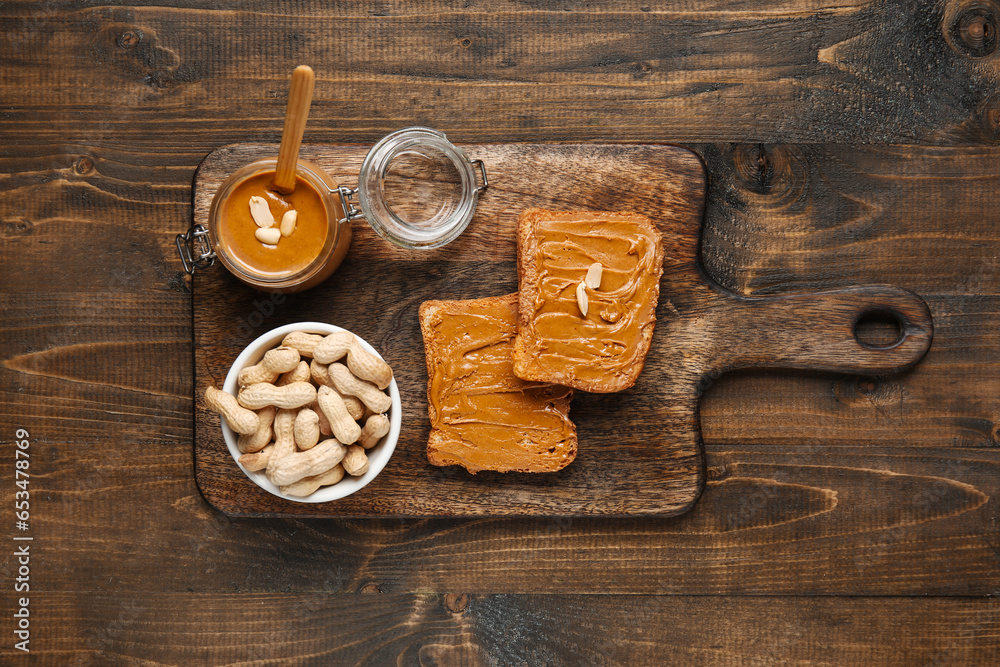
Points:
point(303, 259)
point(415, 189)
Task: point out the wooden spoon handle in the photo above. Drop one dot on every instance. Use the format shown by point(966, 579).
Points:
point(299, 98)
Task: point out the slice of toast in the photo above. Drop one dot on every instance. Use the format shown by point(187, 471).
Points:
point(482, 416)
point(603, 349)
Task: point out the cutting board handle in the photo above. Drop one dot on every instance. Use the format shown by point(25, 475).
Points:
point(817, 331)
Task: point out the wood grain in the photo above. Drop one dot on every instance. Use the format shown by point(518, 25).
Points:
point(842, 519)
point(703, 331)
point(101, 460)
point(377, 291)
point(300, 92)
point(462, 629)
point(821, 72)
point(944, 435)
point(806, 217)
point(773, 523)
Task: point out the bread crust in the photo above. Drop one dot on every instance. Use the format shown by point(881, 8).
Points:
point(536, 356)
point(547, 446)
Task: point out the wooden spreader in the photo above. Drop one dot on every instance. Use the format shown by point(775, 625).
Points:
point(640, 450)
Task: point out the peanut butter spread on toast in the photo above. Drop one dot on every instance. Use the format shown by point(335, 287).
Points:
point(596, 341)
point(482, 416)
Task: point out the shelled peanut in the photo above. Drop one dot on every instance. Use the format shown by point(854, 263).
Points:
point(297, 395)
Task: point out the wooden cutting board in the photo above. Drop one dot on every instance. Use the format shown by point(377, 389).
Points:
point(639, 450)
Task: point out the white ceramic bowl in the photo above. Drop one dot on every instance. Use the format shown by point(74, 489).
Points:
point(378, 455)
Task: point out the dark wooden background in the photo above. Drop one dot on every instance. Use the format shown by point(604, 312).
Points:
point(847, 520)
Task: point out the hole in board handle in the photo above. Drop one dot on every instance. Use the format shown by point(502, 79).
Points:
point(879, 329)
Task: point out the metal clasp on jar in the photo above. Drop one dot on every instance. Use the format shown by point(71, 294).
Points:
point(350, 206)
point(482, 170)
point(195, 249)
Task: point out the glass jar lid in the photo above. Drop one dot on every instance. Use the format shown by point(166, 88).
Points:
point(417, 189)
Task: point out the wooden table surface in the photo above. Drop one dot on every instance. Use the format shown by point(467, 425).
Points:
point(846, 520)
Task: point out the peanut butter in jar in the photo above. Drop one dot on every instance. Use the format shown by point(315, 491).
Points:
point(287, 263)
